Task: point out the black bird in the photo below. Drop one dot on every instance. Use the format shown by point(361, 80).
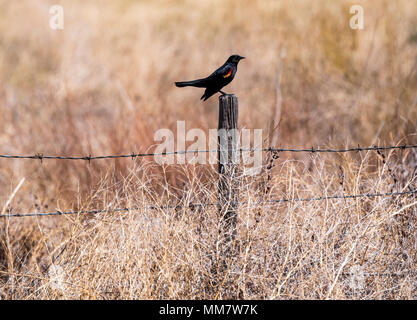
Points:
point(217, 80)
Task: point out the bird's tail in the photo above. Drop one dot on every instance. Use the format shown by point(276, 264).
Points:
point(200, 83)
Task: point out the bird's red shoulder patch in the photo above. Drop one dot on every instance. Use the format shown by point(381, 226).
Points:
point(229, 73)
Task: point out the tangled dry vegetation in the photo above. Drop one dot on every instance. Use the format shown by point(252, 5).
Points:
point(104, 85)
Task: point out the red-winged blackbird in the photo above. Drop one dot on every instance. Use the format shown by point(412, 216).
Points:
point(217, 80)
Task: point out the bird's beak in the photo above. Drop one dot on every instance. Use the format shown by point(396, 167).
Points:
point(242, 58)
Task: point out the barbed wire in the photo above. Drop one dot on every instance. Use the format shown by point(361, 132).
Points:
point(354, 196)
point(270, 149)
point(259, 202)
point(194, 205)
point(382, 274)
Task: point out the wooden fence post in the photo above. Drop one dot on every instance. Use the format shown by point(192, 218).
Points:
point(229, 156)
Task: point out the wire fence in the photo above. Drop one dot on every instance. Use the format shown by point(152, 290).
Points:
point(270, 149)
point(194, 205)
point(207, 204)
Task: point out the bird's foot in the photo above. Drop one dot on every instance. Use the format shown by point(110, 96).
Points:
point(223, 93)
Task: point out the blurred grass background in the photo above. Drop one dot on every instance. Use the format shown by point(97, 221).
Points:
point(104, 84)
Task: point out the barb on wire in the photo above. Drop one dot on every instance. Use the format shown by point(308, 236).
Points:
point(193, 205)
point(138, 155)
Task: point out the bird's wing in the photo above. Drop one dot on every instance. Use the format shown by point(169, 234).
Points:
point(223, 72)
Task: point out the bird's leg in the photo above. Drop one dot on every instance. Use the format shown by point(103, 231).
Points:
point(223, 93)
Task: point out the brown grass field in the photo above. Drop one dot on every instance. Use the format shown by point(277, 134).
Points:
point(104, 85)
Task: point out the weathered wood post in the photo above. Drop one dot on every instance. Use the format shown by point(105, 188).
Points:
point(229, 156)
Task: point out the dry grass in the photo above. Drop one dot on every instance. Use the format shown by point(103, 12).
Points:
point(104, 85)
